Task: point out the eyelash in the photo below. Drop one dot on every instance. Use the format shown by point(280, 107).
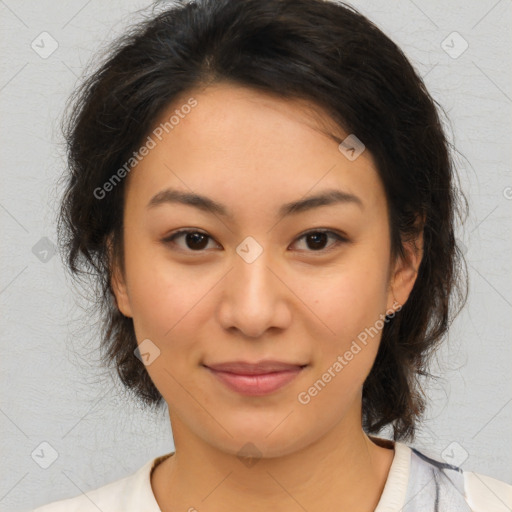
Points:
point(339, 239)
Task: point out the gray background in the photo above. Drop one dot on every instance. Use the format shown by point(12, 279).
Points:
point(52, 390)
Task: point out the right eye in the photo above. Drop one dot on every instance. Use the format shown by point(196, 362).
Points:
point(195, 241)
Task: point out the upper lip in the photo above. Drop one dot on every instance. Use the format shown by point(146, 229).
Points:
point(259, 368)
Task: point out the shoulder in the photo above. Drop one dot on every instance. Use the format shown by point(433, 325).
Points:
point(131, 493)
point(455, 488)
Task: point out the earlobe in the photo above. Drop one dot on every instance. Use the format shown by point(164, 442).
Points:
point(118, 283)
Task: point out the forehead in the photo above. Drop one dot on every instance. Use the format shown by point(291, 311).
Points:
point(237, 141)
point(242, 116)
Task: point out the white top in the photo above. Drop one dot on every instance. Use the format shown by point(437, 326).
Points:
point(415, 483)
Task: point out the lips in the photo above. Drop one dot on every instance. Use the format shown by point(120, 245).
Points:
point(260, 368)
point(255, 379)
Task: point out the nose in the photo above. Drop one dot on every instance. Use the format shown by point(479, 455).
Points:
point(254, 297)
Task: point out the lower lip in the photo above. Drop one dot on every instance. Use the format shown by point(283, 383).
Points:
point(256, 385)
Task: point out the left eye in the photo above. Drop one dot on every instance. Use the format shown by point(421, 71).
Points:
point(316, 240)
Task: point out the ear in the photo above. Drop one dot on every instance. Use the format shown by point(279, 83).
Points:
point(118, 282)
point(405, 271)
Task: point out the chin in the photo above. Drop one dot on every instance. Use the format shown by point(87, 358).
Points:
point(259, 440)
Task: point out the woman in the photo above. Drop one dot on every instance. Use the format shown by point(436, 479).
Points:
point(265, 194)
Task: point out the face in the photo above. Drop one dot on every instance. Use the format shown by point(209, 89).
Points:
point(254, 279)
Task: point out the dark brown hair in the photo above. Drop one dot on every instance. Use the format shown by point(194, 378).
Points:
point(321, 51)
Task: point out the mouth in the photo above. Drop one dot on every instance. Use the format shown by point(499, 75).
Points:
point(255, 379)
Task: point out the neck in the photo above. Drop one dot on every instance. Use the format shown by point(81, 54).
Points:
point(344, 470)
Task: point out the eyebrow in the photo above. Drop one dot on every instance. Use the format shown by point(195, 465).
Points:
point(324, 198)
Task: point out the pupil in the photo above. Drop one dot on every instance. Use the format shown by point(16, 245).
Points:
point(194, 238)
point(316, 237)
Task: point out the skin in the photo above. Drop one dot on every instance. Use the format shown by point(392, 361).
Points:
point(295, 303)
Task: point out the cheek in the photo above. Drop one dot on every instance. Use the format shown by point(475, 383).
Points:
point(350, 305)
point(352, 299)
point(170, 304)
point(155, 285)
point(343, 360)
